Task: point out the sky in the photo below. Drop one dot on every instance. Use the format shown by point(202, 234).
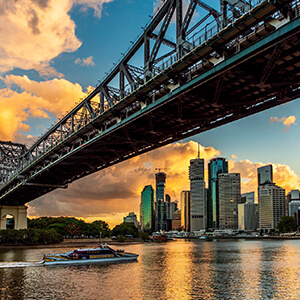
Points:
point(52, 52)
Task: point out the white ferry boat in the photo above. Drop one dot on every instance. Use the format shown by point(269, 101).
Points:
point(102, 254)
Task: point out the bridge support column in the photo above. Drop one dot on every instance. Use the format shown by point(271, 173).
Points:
point(19, 213)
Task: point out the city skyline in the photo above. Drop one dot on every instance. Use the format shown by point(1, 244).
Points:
point(37, 89)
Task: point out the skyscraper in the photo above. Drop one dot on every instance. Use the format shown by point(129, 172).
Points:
point(161, 222)
point(198, 205)
point(185, 199)
point(215, 167)
point(147, 209)
point(161, 206)
point(160, 178)
point(229, 191)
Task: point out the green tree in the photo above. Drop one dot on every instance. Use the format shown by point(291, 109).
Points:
point(94, 229)
point(287, 224)
point(67, 226)
point(125, 228)
point(29, 237)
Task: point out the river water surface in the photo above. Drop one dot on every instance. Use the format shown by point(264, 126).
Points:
point(224, 269)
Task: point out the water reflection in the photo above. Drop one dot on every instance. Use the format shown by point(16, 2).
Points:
point(175, 270)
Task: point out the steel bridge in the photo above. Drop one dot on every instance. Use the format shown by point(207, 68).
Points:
point(222, 65)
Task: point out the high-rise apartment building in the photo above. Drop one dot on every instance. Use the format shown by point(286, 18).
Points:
point(185, 199)
point(229, 191)
point(197, 204)
point(271, 199)
point(215, 167)
point(147, 209)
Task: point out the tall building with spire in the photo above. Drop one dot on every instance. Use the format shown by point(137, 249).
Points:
point(197, 200)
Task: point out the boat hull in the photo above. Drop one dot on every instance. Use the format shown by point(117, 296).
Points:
point(132, 257)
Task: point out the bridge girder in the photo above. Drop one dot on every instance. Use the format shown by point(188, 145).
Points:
point(107, 126)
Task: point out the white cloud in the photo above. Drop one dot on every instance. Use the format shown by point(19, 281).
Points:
point(85, 61)
point(33, 32)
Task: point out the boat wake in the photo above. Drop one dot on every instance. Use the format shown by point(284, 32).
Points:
point(19, 264)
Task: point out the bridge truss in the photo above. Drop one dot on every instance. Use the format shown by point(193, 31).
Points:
point(220, 67)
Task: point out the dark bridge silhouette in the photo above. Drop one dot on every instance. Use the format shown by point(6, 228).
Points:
point(224, 66)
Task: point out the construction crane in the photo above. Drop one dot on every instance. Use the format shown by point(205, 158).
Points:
point(161, 169)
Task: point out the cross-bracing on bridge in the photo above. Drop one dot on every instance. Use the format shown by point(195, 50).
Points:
point(222, 65)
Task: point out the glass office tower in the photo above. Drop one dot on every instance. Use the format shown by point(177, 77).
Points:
point(147, 209)
point(216, 166)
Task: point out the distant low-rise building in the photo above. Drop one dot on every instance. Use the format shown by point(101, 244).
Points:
point(131, 218)
point(294, 210)
point(176, 222)
point(248, 197)
point(248, 216)
point(185, 204)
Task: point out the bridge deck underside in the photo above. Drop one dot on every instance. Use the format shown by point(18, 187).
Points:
point(225, 95)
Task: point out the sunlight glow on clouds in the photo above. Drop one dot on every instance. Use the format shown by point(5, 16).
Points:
point(35, 100)
point(287, 122)
point(107, 195)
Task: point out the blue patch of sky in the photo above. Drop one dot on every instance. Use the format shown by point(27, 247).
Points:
point(254, 137)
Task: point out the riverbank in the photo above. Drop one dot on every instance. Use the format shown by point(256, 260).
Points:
point(76, 243)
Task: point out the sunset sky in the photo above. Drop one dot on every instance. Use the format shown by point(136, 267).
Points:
point(53, 51)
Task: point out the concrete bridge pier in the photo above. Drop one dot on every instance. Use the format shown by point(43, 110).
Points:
point(18, 217)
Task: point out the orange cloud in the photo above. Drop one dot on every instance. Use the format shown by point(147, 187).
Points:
point(114, 192)
point(283, 175)
point(36, 100)
point(287, 122)
point(107, 193)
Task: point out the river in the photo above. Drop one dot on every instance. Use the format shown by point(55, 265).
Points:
point(223, 269)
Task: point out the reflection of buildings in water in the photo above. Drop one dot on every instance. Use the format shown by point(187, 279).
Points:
point(153, 263)
point(178, 267)
point(268, 265)
point(249, 283)
point(203, 270)
point(286, 273)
